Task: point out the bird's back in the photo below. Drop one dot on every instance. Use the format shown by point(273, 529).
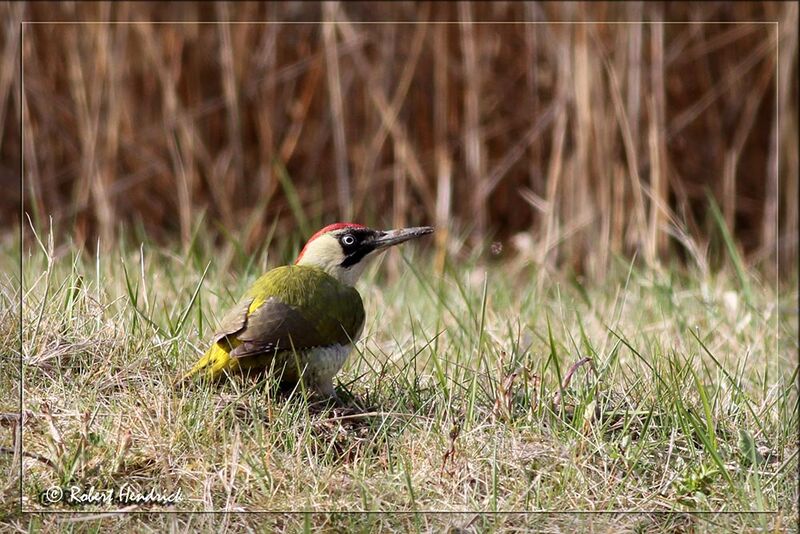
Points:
point(294, 308)
point(319, 297)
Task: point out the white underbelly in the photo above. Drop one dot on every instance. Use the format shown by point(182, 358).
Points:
point(325, 362)
point(318, 365)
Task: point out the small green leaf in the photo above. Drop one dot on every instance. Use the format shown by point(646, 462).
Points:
point(747, 446)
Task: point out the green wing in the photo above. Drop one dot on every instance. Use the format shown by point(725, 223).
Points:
point(292, 307)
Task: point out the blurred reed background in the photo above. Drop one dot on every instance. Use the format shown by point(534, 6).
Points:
point(569, 142)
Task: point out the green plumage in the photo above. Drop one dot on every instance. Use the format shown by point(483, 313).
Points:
point(289, 310)
point(334, 309)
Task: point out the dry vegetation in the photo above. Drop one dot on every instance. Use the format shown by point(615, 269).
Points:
point(472, 395)
point(585, 141)
point(608, 191)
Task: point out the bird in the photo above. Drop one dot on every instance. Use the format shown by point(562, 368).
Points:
point(300, 321)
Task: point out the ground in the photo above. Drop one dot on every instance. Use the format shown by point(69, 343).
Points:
point(492, 387)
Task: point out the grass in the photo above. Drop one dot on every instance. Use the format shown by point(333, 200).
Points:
point(688, 402)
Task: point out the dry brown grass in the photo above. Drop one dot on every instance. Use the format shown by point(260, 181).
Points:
point(572, 144)
point(594, 140)
point(475, 396)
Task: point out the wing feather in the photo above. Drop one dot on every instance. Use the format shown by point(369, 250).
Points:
point(234, 321)
point(267, 321)
point(276, 326)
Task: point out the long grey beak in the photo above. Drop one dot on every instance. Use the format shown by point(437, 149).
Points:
point(395, 237)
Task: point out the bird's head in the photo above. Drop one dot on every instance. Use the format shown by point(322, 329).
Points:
point(344, 249)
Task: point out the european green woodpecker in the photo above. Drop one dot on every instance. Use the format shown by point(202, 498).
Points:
point(300, 320)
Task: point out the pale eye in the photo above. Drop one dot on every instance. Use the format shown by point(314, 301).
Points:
point(348, 240)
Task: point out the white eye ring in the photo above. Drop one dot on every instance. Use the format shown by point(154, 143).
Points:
point(348, 240)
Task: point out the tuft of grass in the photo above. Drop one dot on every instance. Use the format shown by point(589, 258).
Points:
point(656, 391)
